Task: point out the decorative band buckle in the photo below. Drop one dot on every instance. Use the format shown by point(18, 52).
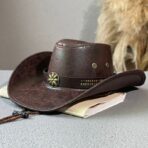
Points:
point(53, 79)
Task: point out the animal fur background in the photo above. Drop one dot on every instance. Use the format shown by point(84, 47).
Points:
point(124, 25)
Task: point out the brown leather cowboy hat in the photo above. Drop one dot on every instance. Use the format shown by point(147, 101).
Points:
point(75, 70)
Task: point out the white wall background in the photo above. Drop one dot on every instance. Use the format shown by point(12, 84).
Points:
point(30, 26)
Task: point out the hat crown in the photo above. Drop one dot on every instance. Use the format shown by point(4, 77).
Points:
point(79, 59)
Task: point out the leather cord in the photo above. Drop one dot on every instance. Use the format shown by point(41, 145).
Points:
point(17, 115)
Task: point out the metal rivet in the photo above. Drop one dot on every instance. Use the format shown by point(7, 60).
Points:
point(94, 65)
point(107, 64)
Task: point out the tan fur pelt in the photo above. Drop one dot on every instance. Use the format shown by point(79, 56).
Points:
point(124, 25)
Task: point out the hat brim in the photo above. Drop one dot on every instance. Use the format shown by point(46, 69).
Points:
point(28, 88)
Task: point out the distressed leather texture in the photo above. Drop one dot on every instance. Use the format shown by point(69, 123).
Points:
point(29, 87)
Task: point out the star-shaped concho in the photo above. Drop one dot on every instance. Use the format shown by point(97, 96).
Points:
point(53, 79)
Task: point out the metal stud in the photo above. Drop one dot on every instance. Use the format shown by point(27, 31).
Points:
point(94, 65)
point(107, 64)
